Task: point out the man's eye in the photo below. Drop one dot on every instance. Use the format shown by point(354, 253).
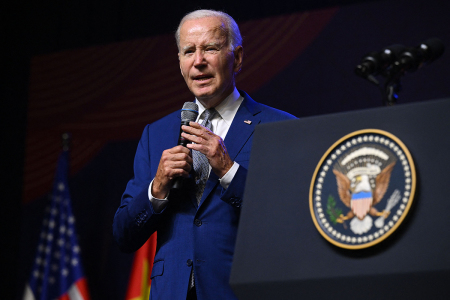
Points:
point(211, 49)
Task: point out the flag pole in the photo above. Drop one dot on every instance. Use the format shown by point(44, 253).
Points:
point(66, 138)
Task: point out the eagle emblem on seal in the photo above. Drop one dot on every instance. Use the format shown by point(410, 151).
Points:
point(362, 178)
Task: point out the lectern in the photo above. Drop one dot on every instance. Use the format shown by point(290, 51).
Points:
point(280, 254)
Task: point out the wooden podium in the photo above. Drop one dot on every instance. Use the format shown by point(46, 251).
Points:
point(281, 255)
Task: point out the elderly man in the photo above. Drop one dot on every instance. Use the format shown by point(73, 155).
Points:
point(197, 224)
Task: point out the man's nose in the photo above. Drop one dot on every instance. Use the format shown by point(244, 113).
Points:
point(199, 58)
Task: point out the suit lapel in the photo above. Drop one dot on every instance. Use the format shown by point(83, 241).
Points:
point(238, 134)
point(243, 125)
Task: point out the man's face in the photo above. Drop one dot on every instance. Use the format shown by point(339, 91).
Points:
point(206, 62)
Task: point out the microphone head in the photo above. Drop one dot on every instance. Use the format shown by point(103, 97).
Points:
point(376, 63)
point(189, 112)
point(369, 64)
point(433, 49)
point(393, 52)
point(428, 51)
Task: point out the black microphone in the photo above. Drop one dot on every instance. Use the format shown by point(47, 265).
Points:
point(377, 62)
point(413, 58)
point(189, 113)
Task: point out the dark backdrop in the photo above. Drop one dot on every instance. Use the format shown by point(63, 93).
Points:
point(318, 79)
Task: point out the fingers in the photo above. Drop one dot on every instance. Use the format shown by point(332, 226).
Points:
point(202, 138)
point(211, 145)
point(174, 162)
point(177, 153)
point(196, 133)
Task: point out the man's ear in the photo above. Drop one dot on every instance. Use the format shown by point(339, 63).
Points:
point(181, 70)
point(238, 58)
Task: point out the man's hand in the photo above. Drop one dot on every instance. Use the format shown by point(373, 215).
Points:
point(175, 162)
point(211, 145)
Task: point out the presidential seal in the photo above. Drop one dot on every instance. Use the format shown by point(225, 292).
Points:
point(362, 189)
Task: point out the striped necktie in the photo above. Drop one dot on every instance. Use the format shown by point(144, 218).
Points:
point(201, 168)
point(201, 164)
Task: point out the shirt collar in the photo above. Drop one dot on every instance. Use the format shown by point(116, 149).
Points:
point(226, 109)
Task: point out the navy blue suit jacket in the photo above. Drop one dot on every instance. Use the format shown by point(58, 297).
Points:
point(203, 236)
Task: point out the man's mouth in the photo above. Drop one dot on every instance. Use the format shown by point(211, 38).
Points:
point(202, 77)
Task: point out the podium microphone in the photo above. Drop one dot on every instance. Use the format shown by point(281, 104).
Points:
point(189, 113)
point(377, 62)
point(395, 61)
point(413, 58)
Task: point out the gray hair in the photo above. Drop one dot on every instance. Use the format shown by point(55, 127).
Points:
point(234, 37)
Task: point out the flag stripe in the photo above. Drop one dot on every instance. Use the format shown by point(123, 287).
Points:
point(74, 293)
point(83, 288)
point(28, 294)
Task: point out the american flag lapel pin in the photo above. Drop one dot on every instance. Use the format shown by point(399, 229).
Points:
point(248, 122)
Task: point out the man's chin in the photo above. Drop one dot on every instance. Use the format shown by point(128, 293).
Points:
point(203, 94)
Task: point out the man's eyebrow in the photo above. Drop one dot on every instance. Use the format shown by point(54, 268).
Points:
point(217, 44)
point(187, 47)
point(214, 44)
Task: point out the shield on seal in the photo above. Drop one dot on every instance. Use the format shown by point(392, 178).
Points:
point(361, 203)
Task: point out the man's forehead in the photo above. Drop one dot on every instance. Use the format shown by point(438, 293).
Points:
point(208, 27)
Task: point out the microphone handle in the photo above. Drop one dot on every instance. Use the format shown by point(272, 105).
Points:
point(178, 182)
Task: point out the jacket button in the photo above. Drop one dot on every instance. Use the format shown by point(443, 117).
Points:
point(198, 222)
point(189, 262)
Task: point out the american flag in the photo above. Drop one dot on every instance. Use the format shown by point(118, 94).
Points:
point(57, 272)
